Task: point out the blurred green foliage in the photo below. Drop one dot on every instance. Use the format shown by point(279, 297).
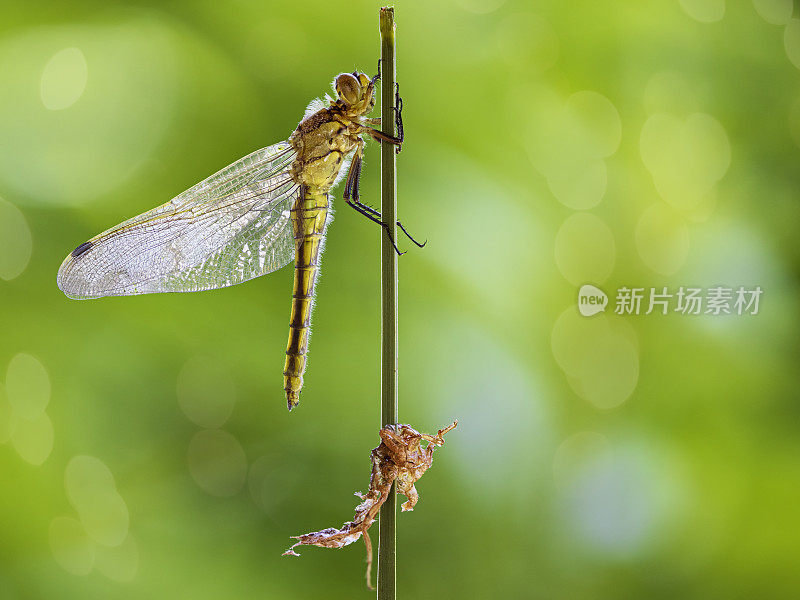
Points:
point(146, 449)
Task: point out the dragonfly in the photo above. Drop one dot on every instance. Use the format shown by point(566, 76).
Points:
point(249, 219)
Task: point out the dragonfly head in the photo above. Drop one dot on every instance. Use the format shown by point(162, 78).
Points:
point(356, 92)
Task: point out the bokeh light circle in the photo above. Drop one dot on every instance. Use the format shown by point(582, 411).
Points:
point(206, 392)
point(584, 189)
point(705, 11)
point(599, 355)
point(272, 480)
point(119, 563)
point(105, 517)
point(563, 139)
point(17, 241)
point(217, 462)
point(567, 338)
point(662, 239)
point(610, 372)
point(775, 12)
point(585, 249)
point(110, 127)
point(791, 41)
point(64, 79)
point(618, 499)
point(27, 386)
point(595, 123)
point(544, 137)
point(83, 476)
point(72, 549)
point(258, 481)
point(33, 440)
point(568, 141)
point(92, 492)
point(686, 158)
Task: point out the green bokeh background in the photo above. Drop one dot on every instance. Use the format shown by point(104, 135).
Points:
point(615, 457)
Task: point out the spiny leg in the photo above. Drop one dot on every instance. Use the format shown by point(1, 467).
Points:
point(355, 170)
point(398, 115)
point(385, 227)
point(354, 173)
point(376, 121)
point(377, 75)
point(351, 191)
point(372, 211)
point(398, 108)
point(379, 135)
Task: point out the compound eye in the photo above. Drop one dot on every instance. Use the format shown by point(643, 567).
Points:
point(348, 88)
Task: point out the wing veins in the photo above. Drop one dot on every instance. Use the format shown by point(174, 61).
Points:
point(206, 237)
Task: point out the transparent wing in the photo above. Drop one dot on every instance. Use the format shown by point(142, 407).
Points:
point(227, 229)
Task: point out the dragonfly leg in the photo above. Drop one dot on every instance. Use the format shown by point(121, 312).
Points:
point(357, 207)
point(362, 208)
point(377, 75)
point(354, 173)
point(398, 115)
point(408, 235)
point(379, 135)
point(351, 191)
point(398, 108)
point(398, 121)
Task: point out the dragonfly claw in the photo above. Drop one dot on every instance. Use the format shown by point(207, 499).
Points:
point(378, 74)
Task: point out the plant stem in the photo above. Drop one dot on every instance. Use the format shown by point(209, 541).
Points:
point(387, 543)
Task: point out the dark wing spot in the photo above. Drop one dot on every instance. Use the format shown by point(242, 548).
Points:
point(82, 249)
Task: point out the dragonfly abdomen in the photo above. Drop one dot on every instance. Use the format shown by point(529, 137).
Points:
point(309, 219)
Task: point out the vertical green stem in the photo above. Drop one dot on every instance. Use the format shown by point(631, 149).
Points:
point(387, 570)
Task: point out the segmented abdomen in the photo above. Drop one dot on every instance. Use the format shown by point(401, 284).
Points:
point(309, 218)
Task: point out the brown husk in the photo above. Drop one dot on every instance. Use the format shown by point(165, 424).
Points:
point(400, 457)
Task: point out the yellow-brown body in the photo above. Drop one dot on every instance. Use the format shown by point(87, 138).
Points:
point(322, 140)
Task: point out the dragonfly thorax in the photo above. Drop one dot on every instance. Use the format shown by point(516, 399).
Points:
point(325, 138)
